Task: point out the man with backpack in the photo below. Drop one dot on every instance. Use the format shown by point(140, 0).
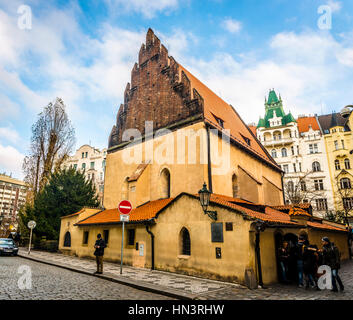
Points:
point(331, 257)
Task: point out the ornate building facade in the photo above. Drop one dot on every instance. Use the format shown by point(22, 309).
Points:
point(298, 147)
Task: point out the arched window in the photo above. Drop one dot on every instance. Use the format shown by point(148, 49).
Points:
point(274, 153)
point(345, 183)
point(290, 186)
point(337, 165)
point(67, 239)
point(165, 183)
point(235, 186)
point(316, 166)
point(284, 152)
point(347, 163)
point(185, 242)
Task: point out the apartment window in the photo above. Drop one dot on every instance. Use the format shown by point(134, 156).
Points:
point(103, 163)
point(92, 165)
point(290, 186)
point(83, 155)
point(75, 166)
point(300, 167)
point(131, 237)
point(345, 183)
point(347, 164)
point(83, 166)
point(313, 148)
point(274, 153)
point(336, 145)
point(86, 155)
point(337, 165)
point(106, 236)
point(348, 203)
point(284, 152)
point(85, 237)
point(316, 166)
point(285, 168)
point(319, 184)
point(342, 144)
point(292, 148)
point(321, 204)
point(303, 185)
point(294, 167)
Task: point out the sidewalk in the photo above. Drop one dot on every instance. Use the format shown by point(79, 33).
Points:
point(165, 283)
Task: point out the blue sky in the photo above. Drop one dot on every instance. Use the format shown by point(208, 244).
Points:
point(83, 51)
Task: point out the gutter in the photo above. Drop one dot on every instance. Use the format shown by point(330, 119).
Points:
point(209, 159)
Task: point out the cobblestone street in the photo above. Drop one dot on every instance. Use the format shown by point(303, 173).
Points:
point(53, 283)
point(164, 282)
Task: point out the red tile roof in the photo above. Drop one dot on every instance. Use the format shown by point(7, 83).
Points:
point(325, 226)
point(144, 212)
point(305, 122)
point(215, 107)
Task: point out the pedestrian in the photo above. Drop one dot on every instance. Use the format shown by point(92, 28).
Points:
point(283, 257)
point(99, 253)
point(331, 257)
point(310, 266)
point(299, 250)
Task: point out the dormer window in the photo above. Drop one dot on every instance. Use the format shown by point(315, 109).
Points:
point(220, 122)
point(247, 140)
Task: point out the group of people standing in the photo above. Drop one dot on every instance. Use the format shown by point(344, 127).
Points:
point(301, 260)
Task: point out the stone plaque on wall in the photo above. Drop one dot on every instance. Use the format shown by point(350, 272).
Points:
point(217, 231)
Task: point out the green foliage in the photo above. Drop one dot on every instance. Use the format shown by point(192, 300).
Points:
point(67, 192)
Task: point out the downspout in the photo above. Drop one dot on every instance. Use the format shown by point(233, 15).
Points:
point(209, 159)
point(284, 196)
point(152, 244)
point(258, 257)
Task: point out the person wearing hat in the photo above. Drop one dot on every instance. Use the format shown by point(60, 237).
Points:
point(99, 253)
point(331, 257)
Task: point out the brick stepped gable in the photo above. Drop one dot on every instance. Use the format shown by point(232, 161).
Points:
point(159, 91)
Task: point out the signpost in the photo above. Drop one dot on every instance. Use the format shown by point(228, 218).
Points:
point(124, 208)
point(31, 224)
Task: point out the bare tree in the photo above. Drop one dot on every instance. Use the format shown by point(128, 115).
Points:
point(53, 138)
point(300, 189)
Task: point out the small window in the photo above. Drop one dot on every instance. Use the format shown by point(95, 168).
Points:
point(345, 183)
point(131, 237)
point(83, 166)
point(229, 226)
point(83, 155)
point(106, 236)
point(85, 237)
point(75, 166)
point(274, 153)
point(284, 152)
point(186, 242)
point(347, 164)
point(337, 165)
point(86, 155)
point(92, 165)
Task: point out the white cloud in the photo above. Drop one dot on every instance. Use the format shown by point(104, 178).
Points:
point(335, 6)
point(11, 161)
point(8, 134)
point(231, 25)
point(147, 8)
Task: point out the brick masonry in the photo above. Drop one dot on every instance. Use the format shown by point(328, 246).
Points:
point(159, 91)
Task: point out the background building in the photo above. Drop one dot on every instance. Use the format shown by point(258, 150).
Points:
point(92, 161)
point(337, 130)
point(299, 148)
point(12, 198)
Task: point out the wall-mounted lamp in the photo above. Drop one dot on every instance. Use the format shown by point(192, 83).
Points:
point(205, 201)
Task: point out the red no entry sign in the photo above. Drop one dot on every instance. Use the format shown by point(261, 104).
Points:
point(125, 207)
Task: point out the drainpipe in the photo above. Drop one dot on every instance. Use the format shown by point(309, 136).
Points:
point(284, 195)
point(209, 158)
point(258, 257)
point(152, 244)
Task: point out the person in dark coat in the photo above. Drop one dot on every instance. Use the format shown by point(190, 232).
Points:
point(331, 257)
point(99, 253)
point(310, 266)
point(299, 250)
point(283, 257)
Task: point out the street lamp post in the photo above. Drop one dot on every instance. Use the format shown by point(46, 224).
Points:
point(205, 201)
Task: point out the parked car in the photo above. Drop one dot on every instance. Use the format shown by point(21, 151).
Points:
point(8, 246)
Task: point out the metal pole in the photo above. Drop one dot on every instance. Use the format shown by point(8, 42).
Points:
point(30, 241)
point(122, 249)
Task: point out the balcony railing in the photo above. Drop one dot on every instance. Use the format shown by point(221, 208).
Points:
point(277, 142)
